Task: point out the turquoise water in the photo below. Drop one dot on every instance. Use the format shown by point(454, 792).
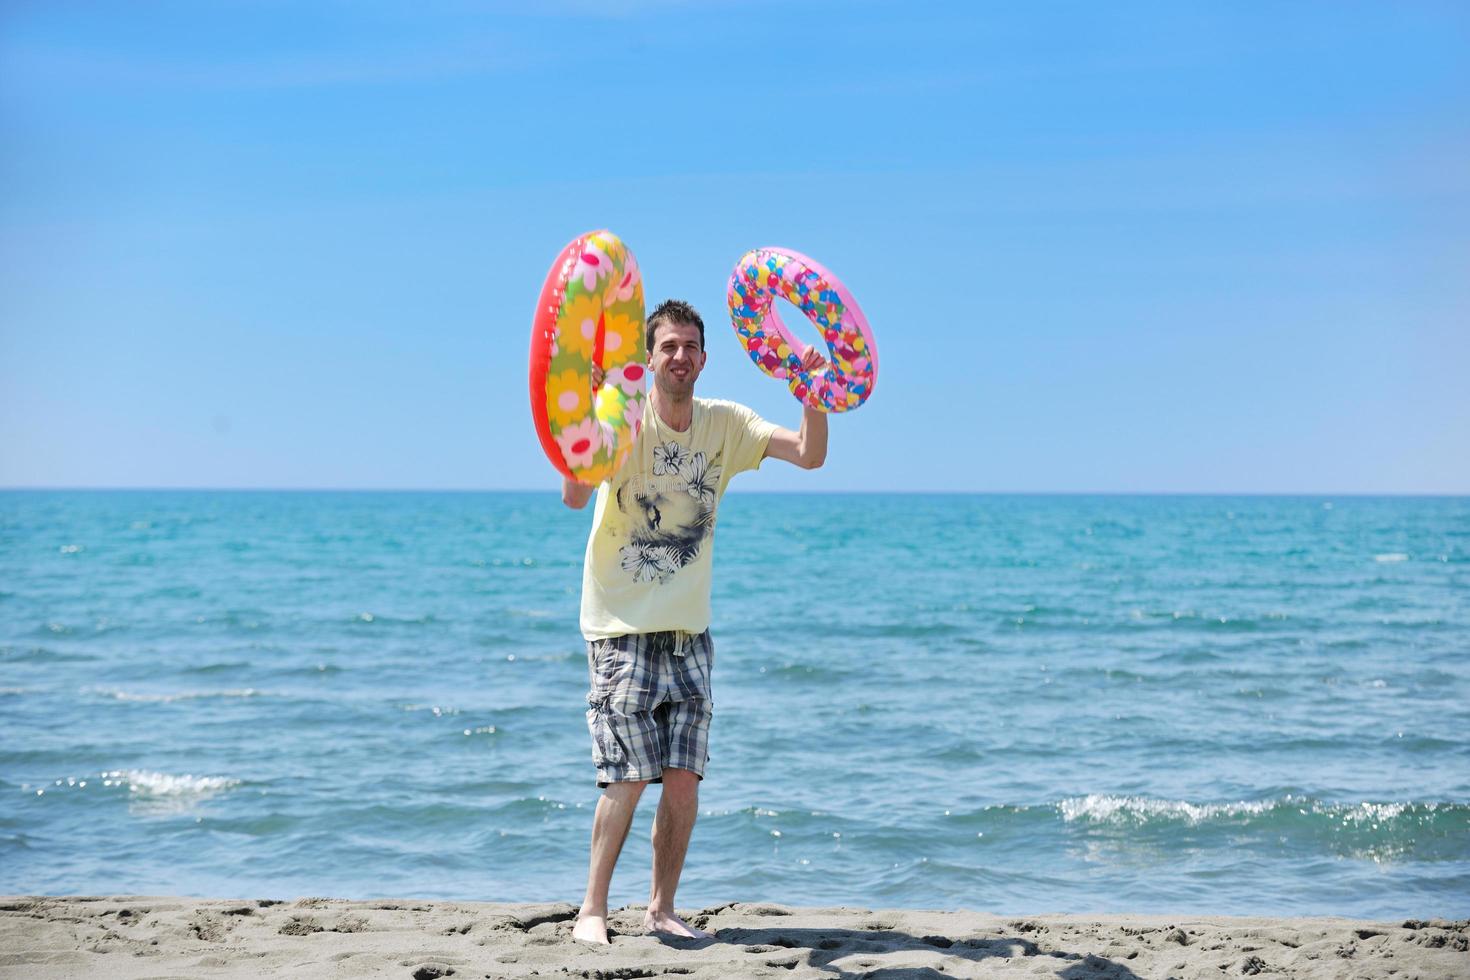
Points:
point(1017, 704)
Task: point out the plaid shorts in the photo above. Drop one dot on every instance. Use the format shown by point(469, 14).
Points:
point(650, 704)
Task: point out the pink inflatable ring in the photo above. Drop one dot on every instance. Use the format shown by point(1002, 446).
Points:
point(763, 274)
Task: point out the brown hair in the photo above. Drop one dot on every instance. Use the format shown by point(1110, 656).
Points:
point(674, 311)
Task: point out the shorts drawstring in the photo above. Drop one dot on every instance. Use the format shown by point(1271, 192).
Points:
point(680, 642)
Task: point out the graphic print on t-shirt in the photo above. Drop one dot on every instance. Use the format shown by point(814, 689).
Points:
point(671, 513)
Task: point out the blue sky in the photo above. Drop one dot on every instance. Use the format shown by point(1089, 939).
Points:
point(1104, 247)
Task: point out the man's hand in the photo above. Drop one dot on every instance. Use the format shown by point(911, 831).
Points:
point(575, 495)
point(812, 362)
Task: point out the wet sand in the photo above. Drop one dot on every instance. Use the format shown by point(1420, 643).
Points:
point(124, 936)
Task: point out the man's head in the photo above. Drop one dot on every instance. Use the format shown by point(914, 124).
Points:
point(675, 347)
point(674, 311)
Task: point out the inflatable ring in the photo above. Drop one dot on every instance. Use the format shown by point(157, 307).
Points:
point(760, 276)
point(590, 312)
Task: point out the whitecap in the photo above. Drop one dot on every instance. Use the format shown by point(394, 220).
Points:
point(1369, 812)
point(1118, 809)
point(1101, 808)
point(1391, 556)
point(167, 787)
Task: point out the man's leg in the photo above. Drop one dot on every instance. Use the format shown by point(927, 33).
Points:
point(609, 829)
point(672, 826)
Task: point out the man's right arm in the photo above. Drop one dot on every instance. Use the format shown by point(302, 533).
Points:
point(575, 495)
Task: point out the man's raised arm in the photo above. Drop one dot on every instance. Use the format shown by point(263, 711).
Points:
point(807, 448)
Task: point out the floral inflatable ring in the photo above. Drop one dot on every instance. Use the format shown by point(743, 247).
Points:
point(762, 275)
point(590, 312)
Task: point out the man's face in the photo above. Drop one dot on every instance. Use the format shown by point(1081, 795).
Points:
point(676, 358)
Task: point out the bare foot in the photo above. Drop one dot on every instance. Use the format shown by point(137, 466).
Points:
point(672, 924)
point(591, 929)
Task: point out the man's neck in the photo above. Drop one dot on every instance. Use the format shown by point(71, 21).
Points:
point(677, 414)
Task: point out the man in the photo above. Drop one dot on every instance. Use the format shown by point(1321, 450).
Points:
point(645, 605)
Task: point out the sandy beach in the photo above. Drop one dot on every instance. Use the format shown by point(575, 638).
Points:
point(129, 937)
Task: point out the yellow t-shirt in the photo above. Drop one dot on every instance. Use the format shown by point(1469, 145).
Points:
point(649, 555)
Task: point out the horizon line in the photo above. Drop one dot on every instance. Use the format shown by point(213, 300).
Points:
point(845, 492)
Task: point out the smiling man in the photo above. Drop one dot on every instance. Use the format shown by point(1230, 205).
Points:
point(646, 605)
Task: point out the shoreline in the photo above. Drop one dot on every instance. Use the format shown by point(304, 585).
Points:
point(133, 936)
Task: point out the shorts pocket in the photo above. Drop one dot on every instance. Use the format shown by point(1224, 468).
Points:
point(605, 748)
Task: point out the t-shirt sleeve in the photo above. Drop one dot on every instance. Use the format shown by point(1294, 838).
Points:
point(746, 437)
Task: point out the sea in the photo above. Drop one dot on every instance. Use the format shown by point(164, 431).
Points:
point(1245, 705)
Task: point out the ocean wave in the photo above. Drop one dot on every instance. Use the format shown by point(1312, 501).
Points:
point(161, 784)
point(382, 620)
point(806, 672)
point(1187, 657)
point(321, 668)
point(272, 823)
point(438, 710)
point(1377, 831)
point(143, 784)
point(121, 695)
point(216, 667)
point(42, 655)
point(1380, 832)
point(1142, 811)
point(1139, 809)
